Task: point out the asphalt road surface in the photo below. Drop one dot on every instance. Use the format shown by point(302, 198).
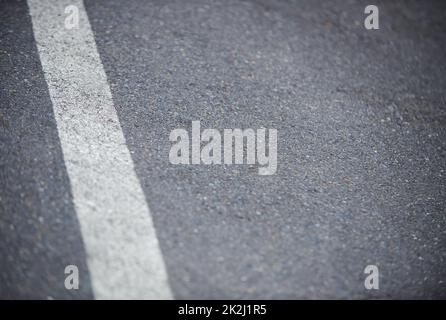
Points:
point(361, 120)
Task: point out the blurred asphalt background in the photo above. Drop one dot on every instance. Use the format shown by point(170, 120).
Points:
point(361, 117)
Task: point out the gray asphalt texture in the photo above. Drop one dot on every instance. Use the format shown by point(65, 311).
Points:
point(361, 117)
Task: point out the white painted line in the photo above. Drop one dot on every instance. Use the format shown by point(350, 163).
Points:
point(123, 254)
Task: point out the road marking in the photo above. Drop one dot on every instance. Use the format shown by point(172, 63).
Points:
point(123, 255)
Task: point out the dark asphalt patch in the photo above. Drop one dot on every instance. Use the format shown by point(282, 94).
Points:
point(361, 142)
